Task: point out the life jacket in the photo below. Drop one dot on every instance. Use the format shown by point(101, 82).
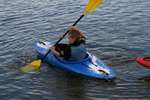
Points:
point(78, 51)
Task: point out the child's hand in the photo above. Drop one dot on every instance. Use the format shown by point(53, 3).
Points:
point(52, 48)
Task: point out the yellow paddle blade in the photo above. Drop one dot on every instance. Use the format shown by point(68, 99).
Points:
point(92, 5)
point(34, 66)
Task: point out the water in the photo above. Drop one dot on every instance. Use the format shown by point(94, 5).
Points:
point(116, 32)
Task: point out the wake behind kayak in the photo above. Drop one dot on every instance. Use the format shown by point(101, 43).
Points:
point(91, 66)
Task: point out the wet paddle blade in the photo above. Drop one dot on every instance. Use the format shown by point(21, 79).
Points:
point(92, 5)
point(34, 66)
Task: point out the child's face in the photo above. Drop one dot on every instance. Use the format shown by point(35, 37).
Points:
point(71, 40)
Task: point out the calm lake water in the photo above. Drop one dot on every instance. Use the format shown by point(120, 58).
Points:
point(118, 31)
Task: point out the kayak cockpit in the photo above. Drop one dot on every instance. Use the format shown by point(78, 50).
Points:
point(147, 59)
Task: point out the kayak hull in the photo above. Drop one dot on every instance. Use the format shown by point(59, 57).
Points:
point(144, 61)
point(91, 66)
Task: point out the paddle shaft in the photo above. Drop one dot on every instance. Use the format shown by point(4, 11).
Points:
point(63, 36)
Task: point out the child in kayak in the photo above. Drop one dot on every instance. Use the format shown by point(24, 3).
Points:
point(75, 49)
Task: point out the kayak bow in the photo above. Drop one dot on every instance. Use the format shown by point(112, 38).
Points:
point(144, 61)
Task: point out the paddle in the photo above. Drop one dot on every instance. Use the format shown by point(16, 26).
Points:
point(91, 7)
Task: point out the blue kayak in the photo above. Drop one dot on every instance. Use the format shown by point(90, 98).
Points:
point(91, 66)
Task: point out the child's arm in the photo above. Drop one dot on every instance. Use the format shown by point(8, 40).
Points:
point(54, 51)
point(62, 50)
